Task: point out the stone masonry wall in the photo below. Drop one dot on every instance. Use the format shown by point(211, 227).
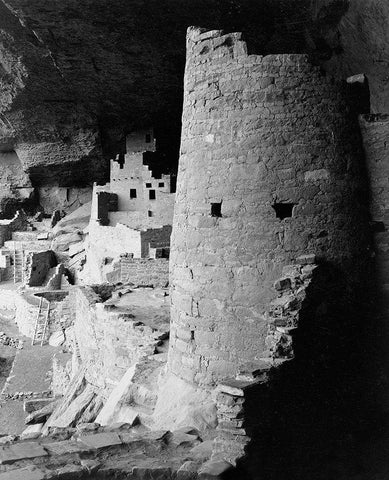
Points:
point(109, 342)
point(38, 265)
point(17, 223)
point(270, 168)
point(375, 133)
point(140, 271)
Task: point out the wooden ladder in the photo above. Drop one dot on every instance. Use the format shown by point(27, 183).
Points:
point(41, 323)
point(18, 259)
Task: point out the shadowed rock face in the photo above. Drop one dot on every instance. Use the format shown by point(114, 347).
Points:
point(76, 76)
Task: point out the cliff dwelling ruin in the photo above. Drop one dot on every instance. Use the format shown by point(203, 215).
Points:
point(193, 240)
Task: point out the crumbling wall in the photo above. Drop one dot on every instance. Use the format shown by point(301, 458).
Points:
point(375, 133)
point(155, 237)
point(38, 265)
point(270, 168)
point(140, 271)
point(17, 223)
point(109, 342)
point(106, 202)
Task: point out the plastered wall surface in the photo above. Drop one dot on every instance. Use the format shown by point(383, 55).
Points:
point(280, 159)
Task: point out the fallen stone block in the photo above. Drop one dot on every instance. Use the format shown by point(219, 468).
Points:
point(90, 466)
point(76, 248)
point(282, 284)
point(202, 451)
point(187, 471)
point(43, 236)
point(43, 413)
point(65, 447)
point(75, 387)
point(32, 432)
point(36, 404)
point(235, 387)
point(29, 473)
point(57, 339)
point(157, 473)
point(21, 451)
point(73, 413)
point(7, 439)
point(214, 469)
point(178, 438)
point(87, 427)
point(100, 440)
point(306, 259)
point(68, 471)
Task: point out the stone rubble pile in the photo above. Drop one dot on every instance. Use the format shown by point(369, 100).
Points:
point(26, 395)
point(284, 311)
point(10, 342)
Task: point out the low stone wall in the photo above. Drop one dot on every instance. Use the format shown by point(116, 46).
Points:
point(38, 265)
point(140, 271)
point(18, 222)
point(109, 342)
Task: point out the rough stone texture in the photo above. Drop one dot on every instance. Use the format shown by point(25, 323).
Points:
point(140, 271)
point(67, 199)
point(375, 133)
point(111, 337)
point(17, 223)
point(354, 38)
point(38, 265)
point(15, 183)
point(254, 127)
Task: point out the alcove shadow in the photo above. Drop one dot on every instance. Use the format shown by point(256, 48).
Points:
point(323, 414)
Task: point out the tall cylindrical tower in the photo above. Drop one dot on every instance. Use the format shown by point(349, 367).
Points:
point(269, 170)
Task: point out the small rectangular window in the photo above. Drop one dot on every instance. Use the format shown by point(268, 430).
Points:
point(216, 209)
point(148, 185)
point(283, 210)
point(161, 184)
point(132, 192)
point(148, 138)
point(149, 213)
point(152, 194)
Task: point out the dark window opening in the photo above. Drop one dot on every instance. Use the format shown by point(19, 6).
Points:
point(121, 160)
point(192, 334)
point(149, 213)
point(377, 227)
point(132, 192)
point(67, 194)
point(161, 184)
point(216, 209)
point(283, 210)
point(148, 138)
point(152, 194)
point(148, 185)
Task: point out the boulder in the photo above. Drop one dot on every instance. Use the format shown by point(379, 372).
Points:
point(57, 339)
point(62, 242)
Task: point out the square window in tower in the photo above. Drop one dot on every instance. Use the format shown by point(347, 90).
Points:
point(149, 213)
point(283, 210)
point(216, 209)
point(161, 184)
point(132, 192)
point(148, 185)
point(152, 194)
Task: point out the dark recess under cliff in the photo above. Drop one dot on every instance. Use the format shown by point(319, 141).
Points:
point(76, 76)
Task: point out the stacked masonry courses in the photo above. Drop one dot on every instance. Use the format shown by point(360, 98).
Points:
point(269, 170)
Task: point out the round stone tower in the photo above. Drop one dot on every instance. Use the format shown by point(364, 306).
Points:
point(270, 169)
